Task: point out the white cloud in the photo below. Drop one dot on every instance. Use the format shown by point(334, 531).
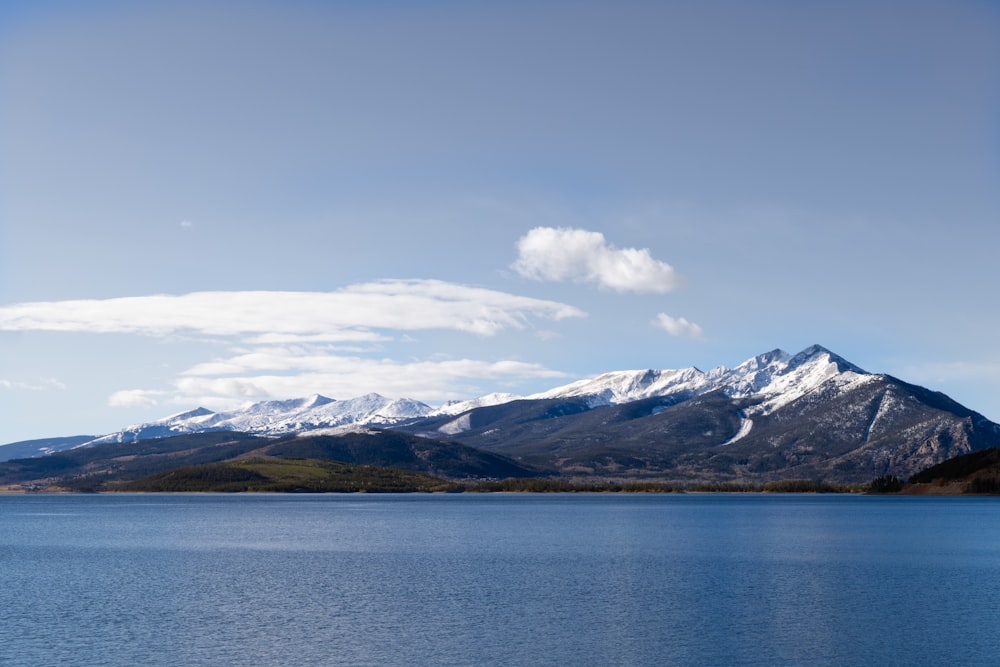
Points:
point(134, 398)
point(186, 224)
point(345, 315)
point(344, 335)
point(558, 254)
point(678, 326)
point(297, 343)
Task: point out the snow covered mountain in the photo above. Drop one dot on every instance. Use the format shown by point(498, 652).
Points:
point(811, 415)
point(776, 374)
point(277, 417)
point(776, 415)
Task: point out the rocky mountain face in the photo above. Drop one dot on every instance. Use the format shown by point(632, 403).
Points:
point(777, 416)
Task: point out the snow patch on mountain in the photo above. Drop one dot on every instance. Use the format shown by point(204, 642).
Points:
point(746, 425)
point(337, 431)
point(752, 376)
point(888, 404)
point(459, 425)
point(626, 386)
point(458, 407)
point(278, 417)
point(320, 412)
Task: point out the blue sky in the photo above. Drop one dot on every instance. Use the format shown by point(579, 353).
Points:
point(213, 203)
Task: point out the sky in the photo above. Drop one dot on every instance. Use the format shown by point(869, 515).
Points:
point(214, 203)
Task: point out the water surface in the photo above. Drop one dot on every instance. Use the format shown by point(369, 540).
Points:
point(545, 579)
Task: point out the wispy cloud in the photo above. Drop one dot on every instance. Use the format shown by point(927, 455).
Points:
point(560, 254)
point(678, 326)
point(296, 343)
point(40, 385)
point(346, 315)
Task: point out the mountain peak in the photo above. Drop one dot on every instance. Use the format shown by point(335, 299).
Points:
point(316, 400)
point(625, 386)
point(775, 355)
point(819, 353)
point(190, 414)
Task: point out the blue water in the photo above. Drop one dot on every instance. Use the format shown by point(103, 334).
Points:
point(499, 580)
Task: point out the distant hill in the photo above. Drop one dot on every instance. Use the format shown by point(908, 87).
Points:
point(286, 476)
point(103, 467)
point(401, 450)
point(28, 448)
point(90, 468)
point(973, 473)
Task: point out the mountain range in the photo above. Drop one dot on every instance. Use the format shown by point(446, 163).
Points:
point(811, 415)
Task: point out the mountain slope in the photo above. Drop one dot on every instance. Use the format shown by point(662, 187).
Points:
point(286, 476)
point(28, 448)
point(400, 450)
point(277, 417)
point(976, 473)
point(813, 415)
point(95, 467)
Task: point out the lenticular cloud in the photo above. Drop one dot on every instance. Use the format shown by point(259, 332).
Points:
point(559, 254)
point(343, 315)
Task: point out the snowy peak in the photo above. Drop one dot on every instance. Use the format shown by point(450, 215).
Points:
point(402, 408)
point(753, 375)
point(805, 372)
point(190, 414)
point(290, 405)
point(458, 407)
point(190, 421)
point(277, 417)
point(810, 368)
point(625, 386)
point(776, 376)
point(819, 354)
point(316, 400)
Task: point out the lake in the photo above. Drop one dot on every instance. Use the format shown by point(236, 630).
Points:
point(547, 579)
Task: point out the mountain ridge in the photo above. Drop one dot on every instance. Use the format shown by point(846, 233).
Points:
point(276, 417)
point(776, 373)
point(811, 415)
